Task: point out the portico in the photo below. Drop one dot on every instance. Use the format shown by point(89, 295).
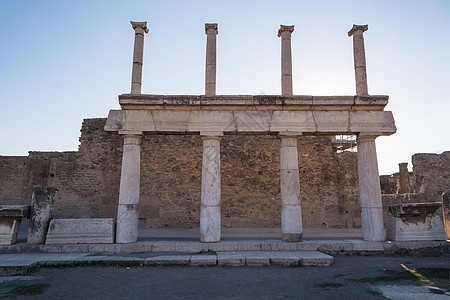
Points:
point(288, 116)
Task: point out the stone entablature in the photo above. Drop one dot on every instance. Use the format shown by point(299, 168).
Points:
point(252, 114)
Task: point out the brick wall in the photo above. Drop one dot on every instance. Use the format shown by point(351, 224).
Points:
point(88, 180)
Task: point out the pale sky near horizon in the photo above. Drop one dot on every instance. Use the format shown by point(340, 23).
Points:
point(64, 61)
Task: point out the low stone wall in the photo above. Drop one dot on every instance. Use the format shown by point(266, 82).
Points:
point(389, 199)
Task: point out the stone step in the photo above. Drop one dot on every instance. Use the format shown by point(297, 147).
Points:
point(19, 264)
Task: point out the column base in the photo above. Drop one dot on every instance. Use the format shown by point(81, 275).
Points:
point(291, 237)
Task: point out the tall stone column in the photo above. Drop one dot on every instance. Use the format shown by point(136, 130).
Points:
point(369, 188)
point(291, 210)
point(128, 212)
point(210, 198)
point(211, 31)
point(405, 187)
point(359, 57)
point(286, 59)
point(138, 56)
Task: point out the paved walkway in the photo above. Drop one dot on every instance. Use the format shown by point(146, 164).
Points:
point(20, 263)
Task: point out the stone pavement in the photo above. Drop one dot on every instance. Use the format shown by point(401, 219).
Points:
point(20, 263)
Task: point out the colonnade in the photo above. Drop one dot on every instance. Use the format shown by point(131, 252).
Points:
point(210, 213)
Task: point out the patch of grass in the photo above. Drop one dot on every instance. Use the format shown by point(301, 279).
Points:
point(329, 285)
point(431, 277)
point(391, 276)
point(28, 290)
point(441, 273)
point(103, 264)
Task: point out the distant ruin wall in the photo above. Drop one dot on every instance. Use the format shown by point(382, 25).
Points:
point(88, 180)
point(431, 171)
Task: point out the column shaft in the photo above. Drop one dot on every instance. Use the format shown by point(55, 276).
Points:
point(210, 198)
point(210, 72)
point(359, 57)
point(291, 211)
point(138, 56)
point(127, 212)
point(369, 189)
point(405, 187)
point(286, 59)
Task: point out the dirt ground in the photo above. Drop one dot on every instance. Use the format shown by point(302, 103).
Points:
point(350, 277)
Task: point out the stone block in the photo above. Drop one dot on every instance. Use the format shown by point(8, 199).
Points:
point(169, 259)
point(314, 258)
point(170, 121)
point(283, 258)
point(336, 121)
point(252, 121)
point(234, 259)
point(211, 121)
point(268, 245)
point(428, 229)
point(203, 260)
point(9, 227)
point(41, 214)
point(367, 246)
point(332, 100)
point(256, 259)
point(223, 246)
point(372, 121)
point(80, 231)
point(164, 246)
point(105, 248)
point(138, 247)
point(308, 245)
point(138, 120)
point(302, 121)
point(191, 247)
point(415, 222)
point(248, 246)
point(286, 246)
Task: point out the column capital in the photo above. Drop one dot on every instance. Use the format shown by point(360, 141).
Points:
point(358, 29)
point(285, 28)
point(211, 28)
point(403, 165)
point(369, 135)
point(292, 134)
point(139, 27)
point(211, 134)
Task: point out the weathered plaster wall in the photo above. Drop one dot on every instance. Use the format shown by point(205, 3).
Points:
point(431, 171)
point(88, 180)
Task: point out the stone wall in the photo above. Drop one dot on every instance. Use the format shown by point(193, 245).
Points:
point(88, 180)
point(431, 171)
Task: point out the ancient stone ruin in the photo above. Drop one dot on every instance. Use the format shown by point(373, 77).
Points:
point(218, 161)
point(286, 116)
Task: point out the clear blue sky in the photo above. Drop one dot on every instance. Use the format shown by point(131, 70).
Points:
point(63, 61)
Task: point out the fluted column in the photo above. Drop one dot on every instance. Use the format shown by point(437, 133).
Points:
point(138, 56)
point(210, 198)
point(286, 59)
point(211, 31)
point(128, 212)
point(369, 188)
point(359, 57)
point(291, 210)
